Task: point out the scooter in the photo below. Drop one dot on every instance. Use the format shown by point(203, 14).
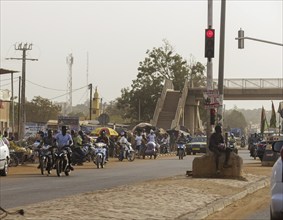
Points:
point(99, 157)
point(181, 150)
point(127, 152)
point(253, 150)
point(232, 146)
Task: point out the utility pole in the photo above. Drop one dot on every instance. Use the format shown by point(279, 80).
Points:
point(23, 47)
point(90, 100)
point(19, 107)
point(221, 62)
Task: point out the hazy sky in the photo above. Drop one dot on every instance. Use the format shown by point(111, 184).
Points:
point(117, 34)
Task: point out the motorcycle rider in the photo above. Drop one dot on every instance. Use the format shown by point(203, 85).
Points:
point(77, 146)
point(48, 140)
point(104, 139)
point(181, 140)
point(232, 139)
point(166, 142)
point(215, 145)
point(123, 142)
point(64, 141)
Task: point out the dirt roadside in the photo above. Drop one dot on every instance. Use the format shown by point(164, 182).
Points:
point(132, 196)
point(251, 203)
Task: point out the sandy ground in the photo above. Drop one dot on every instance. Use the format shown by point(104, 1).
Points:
point(164, 198)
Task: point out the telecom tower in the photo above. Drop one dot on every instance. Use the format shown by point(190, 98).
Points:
point(69, 62)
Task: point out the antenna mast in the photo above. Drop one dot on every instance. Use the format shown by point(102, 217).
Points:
point(69, 62)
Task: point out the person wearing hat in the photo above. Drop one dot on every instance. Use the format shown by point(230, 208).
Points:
point(217, 146)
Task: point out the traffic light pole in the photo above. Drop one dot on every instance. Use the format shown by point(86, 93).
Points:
point(241, 38)
point(221, 63)
point(209, 71)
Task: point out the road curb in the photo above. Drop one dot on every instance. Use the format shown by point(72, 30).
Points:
point(222, 203)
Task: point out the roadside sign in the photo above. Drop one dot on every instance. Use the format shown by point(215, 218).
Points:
point(211, 99)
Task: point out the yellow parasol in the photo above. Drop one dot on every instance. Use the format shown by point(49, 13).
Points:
point(109, 131)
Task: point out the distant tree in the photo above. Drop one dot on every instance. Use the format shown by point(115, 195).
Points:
point(235, 119)
point(139, 101)
point(41, 110)
point(80, 110)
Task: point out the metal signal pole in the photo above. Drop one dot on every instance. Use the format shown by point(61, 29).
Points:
point(23, 47)
point(209, 69)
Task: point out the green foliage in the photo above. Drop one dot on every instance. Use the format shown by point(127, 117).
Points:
point(235, 119)
point(138, 102)
point(41, 110)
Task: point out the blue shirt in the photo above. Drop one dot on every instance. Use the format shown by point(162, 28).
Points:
point(63, 140)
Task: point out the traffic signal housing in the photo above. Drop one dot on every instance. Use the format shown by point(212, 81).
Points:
point(209, 43)
point(212, 116)
point(241, 39)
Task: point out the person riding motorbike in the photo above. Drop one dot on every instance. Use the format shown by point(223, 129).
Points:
point(104, 139)
point(48, 140)
point(165, 141)
point(77, 147)
point(232, 139)
point(181, 140)
point(64, 141)
point(123, 142)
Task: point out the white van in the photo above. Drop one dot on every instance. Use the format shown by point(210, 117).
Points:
point(4, 158)
point(276, 183)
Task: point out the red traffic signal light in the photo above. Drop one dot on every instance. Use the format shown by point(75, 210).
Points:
point(209, 33)
point(209, 43)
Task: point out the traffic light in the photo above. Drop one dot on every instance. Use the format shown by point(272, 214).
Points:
point(209, 43)
point(240, 39)
point(212, 116)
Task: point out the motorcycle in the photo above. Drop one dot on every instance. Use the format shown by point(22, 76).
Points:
point(164, 148)
point(127, 152)
point(99, 157)
point(181, 150)
point(14, 160)
point(233, 147)
point(62, 162)
point(45, 159)
point(88, 151)
point(253, 150)
point(150, 150)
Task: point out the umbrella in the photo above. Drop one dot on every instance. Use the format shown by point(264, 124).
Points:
point(109, 131)
point(143, 125)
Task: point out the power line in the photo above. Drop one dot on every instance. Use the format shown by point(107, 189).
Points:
point(67, 93)
point(41, 86)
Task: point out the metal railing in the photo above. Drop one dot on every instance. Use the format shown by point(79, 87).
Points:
point(264, 83)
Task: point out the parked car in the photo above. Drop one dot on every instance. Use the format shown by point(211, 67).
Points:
point(196, 145)
point(4, 158)
point(269, 156)
point(276, 183)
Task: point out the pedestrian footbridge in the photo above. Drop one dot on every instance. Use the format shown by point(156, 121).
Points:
point(175, 108)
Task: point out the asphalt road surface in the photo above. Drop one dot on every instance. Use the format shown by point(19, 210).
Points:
point(26, 189)
point(22, 189)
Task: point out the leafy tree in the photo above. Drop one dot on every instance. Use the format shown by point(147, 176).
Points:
point(235, 119)
point(41, 110)
point(139, 101)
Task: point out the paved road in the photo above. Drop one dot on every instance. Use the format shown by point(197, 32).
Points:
point(21, 190)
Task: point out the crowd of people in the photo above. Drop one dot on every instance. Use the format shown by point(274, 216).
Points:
point(165, 142)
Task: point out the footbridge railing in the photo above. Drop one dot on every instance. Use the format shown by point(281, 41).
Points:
point(264, 83)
